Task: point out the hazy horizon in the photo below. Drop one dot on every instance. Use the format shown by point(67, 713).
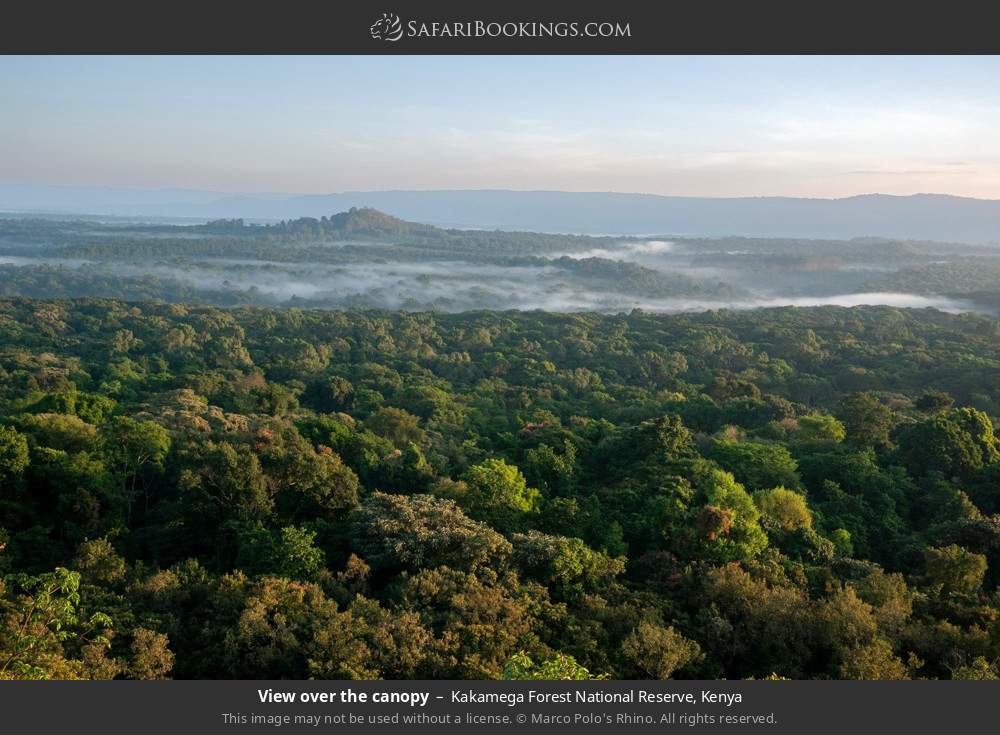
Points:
point(523, 190)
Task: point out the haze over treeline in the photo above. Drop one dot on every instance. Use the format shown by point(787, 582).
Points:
point(920, 216)
point(363, 258)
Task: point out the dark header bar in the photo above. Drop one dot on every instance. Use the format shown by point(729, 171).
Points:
point(449, 27)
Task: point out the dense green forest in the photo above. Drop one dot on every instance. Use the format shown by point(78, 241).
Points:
point(196, 492)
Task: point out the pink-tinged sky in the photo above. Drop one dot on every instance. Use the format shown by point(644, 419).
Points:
point(704, 126)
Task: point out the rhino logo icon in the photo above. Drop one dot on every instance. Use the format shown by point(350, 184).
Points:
point(387, 28)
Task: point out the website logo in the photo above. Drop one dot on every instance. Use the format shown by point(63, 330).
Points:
point(387, 28)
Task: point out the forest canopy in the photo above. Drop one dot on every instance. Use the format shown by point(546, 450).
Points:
point(196, 492)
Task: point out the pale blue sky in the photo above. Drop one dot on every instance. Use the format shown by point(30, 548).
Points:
point(707, 126)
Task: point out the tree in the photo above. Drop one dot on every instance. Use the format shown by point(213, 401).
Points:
point(934, 401)
point(872, 661)
point(820, 427)
point(306, 481)
point(660, 526)
point(520, 667)
point(136, 450)
point(224, 481)
point(550, 471)
point(979, 670)
point(481, 618)
point(757, 465)
point(39, 621)
point(421, 531)
point(330, 394)
point(499, 494)
point(367, 641)
point(276, 622)
point(845, 621)
point(755, 623)
point(60, 431)
point(890, 598)
point(288, 552)
point(953, 570)
point(425, 401)
point(728, 524)
point(567, 564)
point(151, 657)
point(398, 426)
point(98, 563)
point(785, 508)
point(656, 443)
point(658, 652)
point(867, 422)
point(955, 443)
point(13, 455)
point(841, 539)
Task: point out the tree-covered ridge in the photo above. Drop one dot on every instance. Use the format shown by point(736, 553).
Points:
point(262, 493)
point(95, 239)
point(962, 276)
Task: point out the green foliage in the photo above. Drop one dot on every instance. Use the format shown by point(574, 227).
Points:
point(551, 471)
point(841, 539)
point(728, 524)
point(979, 670)
point(820, 428)
point(268, 493)
point(98, 563)
point(562, 667)
point(136, 450)
point(566, 564)
point(224, 481)
point(659, 652)
point(933, 401)
point(286, 552)
point(873, 661)
point(785, 508)
point(60, 431)
point(150, 655)
point(499, 494)
point(40, 620)
point(955, 443)
point(421, 531)
point(13, 454)
point(757, 465)
point(953, 570)
point(867, 422)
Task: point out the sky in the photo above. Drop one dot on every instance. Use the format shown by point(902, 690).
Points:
point(697, 126)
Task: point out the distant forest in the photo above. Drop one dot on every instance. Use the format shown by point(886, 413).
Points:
point(363, 258)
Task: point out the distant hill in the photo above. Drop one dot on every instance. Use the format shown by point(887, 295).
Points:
point(920, 216)
point(369, 222)
point(362, 223)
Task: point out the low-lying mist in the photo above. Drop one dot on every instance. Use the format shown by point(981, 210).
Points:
point(403, 266)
